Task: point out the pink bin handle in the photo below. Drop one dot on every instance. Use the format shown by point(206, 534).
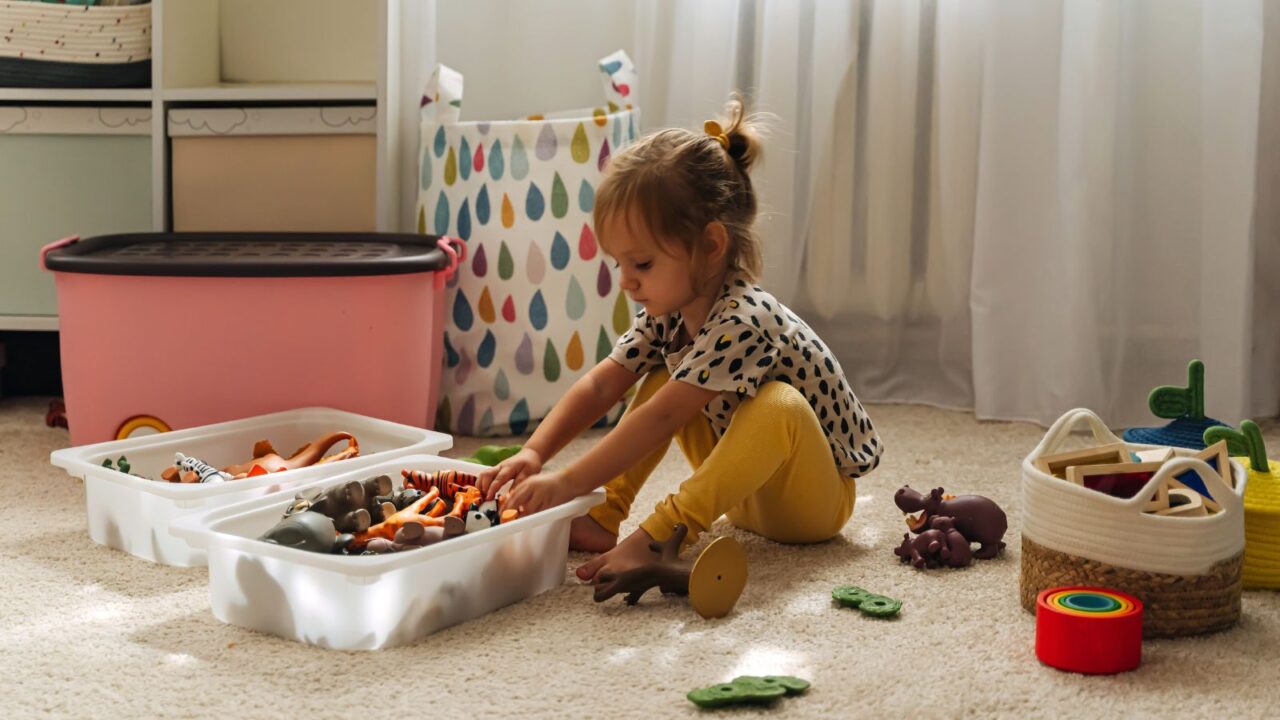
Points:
point(44, 251)
point(455, 258)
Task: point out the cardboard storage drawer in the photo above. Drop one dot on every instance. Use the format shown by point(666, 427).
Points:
point(284, 169)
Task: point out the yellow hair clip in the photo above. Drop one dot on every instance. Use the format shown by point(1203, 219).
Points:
point(712, 128)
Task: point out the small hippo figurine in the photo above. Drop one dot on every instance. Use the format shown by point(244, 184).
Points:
point(924, 550)
point(956, 551)
point(977, 518)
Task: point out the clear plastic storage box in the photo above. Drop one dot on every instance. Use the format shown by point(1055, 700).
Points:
point(369, 602)
point(134, 514)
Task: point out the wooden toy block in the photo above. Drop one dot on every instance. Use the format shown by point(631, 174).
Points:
point(1057, 464)
point(1155, 455)
point(1122, 480)
point(1217, 458)
point(1184, 502)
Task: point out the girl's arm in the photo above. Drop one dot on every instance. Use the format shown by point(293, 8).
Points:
point(587, 400)
point(641, 432)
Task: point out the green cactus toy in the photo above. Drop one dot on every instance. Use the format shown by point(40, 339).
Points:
point(1248, 442)
point(1183, 407)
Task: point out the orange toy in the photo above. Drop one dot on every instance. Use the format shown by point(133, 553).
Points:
point(413, 513)
point(265, 456)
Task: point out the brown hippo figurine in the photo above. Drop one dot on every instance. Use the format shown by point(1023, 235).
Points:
point(977, 518)
point(924, 550)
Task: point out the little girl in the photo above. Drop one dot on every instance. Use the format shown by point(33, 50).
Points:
point(758, 404)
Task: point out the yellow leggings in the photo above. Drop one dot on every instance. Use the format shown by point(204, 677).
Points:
point(772, 472)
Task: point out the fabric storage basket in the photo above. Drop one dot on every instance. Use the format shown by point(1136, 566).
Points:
point(538, 305)
point(74, 46)
point(282, 169)
point(371, 602)
point(185, 329)
point(135, 514)
point(1186, 570)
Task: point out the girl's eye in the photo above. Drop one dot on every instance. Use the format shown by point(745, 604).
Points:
point(644, 265)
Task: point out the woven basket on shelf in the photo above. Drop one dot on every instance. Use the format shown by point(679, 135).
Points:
point(1186, 570)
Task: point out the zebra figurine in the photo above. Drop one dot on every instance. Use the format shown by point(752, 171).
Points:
point(207, 473)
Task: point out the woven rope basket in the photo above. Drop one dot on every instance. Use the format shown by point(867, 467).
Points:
point(1174, 605)
point(1187, 571)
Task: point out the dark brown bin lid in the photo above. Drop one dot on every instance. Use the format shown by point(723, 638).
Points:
point(250, 254)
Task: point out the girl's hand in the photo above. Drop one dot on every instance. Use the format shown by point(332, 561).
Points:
point(539, 492)
point(517, 467)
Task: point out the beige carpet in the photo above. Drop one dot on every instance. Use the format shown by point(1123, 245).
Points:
point(90, 632)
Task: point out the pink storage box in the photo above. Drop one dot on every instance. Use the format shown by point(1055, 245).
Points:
point(172, 330)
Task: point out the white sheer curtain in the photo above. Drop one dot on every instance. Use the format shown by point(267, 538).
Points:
point(1015, 207)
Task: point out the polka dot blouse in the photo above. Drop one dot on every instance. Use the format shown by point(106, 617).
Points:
point(748, 339)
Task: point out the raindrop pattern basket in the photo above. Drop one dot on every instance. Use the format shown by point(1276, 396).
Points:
point(538, 304)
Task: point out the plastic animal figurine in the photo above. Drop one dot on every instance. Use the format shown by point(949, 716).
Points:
point(448, 482)
point(401, 499)
point(307, 531)
point(265, 456)
point(956, 552)
point(344, 504)
point(122, 465)
point(427, 511)
point(923, 550)
point(415, 535)
point(713, 582)
point(57, 414)
point(977, 518)
point(940, 545)
point(204, 472)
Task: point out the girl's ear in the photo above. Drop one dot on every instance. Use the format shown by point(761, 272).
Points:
point(715, 239)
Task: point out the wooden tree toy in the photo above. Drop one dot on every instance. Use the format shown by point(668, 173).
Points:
point(713, 581)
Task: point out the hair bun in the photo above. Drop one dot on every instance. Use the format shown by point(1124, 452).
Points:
point(744, 136)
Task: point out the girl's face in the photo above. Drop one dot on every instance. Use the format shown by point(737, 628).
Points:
point(657, 277)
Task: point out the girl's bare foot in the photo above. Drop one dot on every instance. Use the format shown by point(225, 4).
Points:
point(628, 554)
point(587, 534)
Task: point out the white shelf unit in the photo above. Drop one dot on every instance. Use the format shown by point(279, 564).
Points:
point(212, 53)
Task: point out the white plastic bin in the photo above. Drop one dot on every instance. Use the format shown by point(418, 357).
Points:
point(369, 602)
point(134, 513)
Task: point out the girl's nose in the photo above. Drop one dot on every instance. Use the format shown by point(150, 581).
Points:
point(628, 281)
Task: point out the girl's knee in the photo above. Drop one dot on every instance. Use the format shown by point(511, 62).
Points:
point(777, 398)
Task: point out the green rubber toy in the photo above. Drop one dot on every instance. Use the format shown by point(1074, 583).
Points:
point(868, 602)
point(492, 454)
point(747, 690)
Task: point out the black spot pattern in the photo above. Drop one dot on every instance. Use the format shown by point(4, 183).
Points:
point(734, 354)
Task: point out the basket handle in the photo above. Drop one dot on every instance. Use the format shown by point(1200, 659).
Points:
point(456, 257)
point(1054, 438)
point(44, 251)
point(1222, 494)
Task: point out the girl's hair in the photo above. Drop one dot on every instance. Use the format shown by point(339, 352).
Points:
point(678, 181)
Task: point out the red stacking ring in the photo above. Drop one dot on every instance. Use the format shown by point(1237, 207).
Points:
point(1088, 630)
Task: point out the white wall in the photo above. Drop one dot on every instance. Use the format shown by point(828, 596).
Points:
point(520, 57)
